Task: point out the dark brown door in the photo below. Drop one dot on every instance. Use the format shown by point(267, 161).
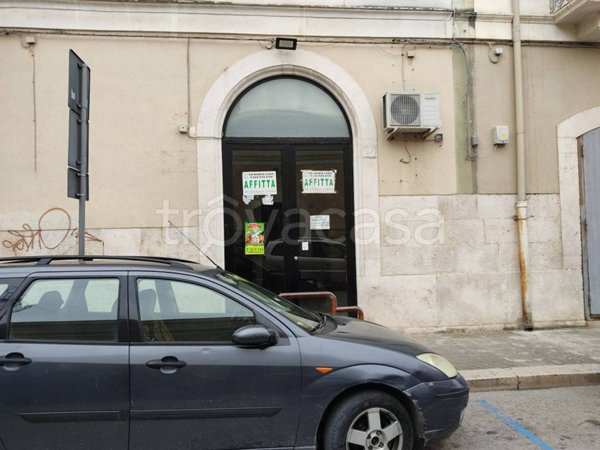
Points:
point(306, 210)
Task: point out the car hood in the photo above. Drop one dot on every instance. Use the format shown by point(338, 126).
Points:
point(363, 332)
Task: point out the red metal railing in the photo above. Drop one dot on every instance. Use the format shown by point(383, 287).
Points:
point(329, 297)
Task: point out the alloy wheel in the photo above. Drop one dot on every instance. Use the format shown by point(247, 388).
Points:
point(375, 429)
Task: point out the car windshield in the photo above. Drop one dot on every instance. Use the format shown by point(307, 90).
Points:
point(307, 320)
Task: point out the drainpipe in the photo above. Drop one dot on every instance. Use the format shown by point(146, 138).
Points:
point(521, 192)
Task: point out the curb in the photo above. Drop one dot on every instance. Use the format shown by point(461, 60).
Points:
point(536, 377)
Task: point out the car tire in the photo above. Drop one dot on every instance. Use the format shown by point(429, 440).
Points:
point(369, 420)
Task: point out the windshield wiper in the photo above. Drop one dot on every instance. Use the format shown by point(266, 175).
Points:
point(321, 324)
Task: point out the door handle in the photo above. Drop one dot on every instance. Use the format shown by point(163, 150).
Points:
point(168, 362)
point(296, 258)
point(14, 359)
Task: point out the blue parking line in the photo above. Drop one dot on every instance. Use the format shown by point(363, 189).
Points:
point(516, 426)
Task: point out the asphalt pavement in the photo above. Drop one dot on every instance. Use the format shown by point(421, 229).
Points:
point(513, 359)
point(547, 419)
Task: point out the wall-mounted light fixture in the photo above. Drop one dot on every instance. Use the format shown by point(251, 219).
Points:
point(286, 43)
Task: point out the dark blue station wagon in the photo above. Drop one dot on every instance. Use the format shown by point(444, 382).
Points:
point(156, 353)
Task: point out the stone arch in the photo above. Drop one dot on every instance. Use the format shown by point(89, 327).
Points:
point(568, 132)
point(265, 64)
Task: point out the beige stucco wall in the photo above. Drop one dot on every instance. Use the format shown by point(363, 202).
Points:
point(139, 97)
point(558, 82)
point(137, 157)
point(432, 169)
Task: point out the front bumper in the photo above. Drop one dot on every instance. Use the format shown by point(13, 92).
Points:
point(439, 407)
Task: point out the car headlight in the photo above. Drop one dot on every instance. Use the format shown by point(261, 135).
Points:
point(439, 362)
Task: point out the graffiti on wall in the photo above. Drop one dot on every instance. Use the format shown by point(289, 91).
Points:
point(53, 229)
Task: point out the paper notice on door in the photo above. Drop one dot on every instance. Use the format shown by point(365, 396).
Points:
point(318, 181)
point(319, 223)
point(259, 183)
point(304, 246)
point(254, 238)
point(267, 200)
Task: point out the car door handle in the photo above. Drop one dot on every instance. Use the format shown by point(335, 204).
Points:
point(14, 358)
point(168, 362)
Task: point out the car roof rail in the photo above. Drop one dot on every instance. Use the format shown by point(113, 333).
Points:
point(45, 259)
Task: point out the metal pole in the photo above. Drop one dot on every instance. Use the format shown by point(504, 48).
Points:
point(82, 221)
point(83, 162)
point(521, 205)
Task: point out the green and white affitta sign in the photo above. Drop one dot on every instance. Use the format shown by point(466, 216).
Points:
point(318, 181)
point(259, 183)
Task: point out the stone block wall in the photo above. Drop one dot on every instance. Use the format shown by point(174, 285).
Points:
point(105, 241)
point(451, 262)
point(447, 262)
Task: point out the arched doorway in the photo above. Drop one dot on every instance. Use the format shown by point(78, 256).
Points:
point(288, 186)
point(571, 172)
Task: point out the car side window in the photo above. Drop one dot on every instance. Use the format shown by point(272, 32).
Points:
point(67, 310)
point(176, 311)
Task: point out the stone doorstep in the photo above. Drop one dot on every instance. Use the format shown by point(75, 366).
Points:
point(536, 377)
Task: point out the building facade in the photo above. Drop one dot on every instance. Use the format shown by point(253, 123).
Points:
point(277, 162)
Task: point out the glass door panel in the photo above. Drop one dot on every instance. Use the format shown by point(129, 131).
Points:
point(250, 253)
point(306, 244)
point(320, 250)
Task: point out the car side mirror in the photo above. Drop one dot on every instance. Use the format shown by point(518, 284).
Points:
point(254, 336)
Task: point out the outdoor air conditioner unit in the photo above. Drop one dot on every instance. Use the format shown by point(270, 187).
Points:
point(411, 113)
